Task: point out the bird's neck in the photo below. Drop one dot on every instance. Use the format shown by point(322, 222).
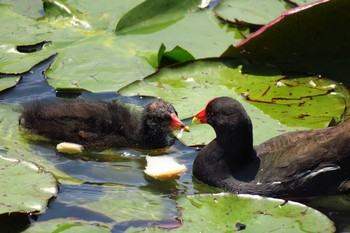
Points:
point(237, 145)
point(153, 135)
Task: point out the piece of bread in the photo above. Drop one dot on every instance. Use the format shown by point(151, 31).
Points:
point(69, 148)
point(164, 167)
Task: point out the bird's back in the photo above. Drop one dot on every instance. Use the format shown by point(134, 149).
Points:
point(311, 161)
point(84, 122)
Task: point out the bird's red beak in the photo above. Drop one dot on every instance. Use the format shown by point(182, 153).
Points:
point(176, 124)
point(200, 118)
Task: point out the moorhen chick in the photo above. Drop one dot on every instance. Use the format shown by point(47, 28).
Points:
point(98, 124)
point(301, 163)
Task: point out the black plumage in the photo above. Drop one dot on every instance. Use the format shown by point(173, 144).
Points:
point(99, 124)
point(302, 163)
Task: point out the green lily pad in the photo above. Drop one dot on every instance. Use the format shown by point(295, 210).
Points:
point(30, 8)
point(67, 225)
point(92, 57)
point(154, 15)
point(15, 62)
point(7, 82)
point(113, 64)
point(307, 101)
point(164, 57)
point(253, 12)
point(24, 186)
point(101, 15)
point(273, 99)
point(223, 213)
point(301, 2)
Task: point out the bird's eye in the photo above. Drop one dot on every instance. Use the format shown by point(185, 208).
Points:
point(211, 112)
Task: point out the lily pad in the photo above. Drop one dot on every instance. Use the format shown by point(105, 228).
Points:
point(7, 82)
point(227, 212)
point(67, 225)
point(30, 8)
point(154, 15)
point(189, 87)
point(24, 186)
point(300, 2)
point(92, 57)
point(165, 58)
point(101, 15)
point(308, 101)
point(249, 12)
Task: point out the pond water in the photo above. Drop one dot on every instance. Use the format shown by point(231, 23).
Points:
point(110, 186)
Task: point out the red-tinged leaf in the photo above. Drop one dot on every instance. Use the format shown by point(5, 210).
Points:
point(312, 38)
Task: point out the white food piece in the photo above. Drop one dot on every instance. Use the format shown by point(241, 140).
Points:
point(204, 4)
point(179, 135)
point(164, 167)
point(69, 148)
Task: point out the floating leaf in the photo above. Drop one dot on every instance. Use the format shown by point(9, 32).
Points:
point(30, 8)
point(300, 2)
point(230, 213)
point(257, 213)
point(251, 12)
point(296, 104)
point(67, 225)
point(25, 187)
point(225, 212)
point(15, 62)
point(7, 82)
point(176, 55)
point(94, 58)
point(154, 15)
point(164, 58)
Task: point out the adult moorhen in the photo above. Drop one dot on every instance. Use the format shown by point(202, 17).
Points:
point(98, 124)
point(301, 163)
